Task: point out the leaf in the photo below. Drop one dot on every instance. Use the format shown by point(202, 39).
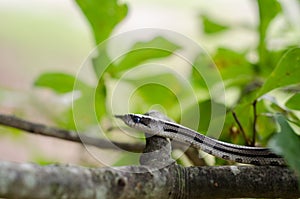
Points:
point(207, 117)
point(102, 62)
point(128, 159)
point(270, 61)
point(158, 47)
point(287, 144)
point(43, 160)
point(210, 26)
point(161, 89)
point(268, 9)
point(100, 100)
point(202, 63)
point(204, 74)
point(58, 82)
point(286, 73)
point(276, 107)
point(232, 64)
point(293, 102)
point(103, 16)
point(82, 113)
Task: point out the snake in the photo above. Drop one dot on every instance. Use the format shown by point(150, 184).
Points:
point(227, 151)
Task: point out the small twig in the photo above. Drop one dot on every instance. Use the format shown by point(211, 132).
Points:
point(241, 128)
point(254, 123)
point(40, 129)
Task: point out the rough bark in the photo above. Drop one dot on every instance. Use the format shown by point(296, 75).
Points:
point(174, 181)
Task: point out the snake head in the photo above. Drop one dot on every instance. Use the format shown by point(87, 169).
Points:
point(133, 119)
point(137, 121)
point(127, 119)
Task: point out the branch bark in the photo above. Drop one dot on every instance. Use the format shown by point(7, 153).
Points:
point(40, 129)
point(172, 181)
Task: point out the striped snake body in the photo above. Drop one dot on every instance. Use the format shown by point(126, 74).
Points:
point(224, 150)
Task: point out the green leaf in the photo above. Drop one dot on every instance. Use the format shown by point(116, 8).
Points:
point(265, 125)
point(90, 108)
point(161, 89)
point(270, 61)
point(293, 102)
point(210, 26)
point(43, 160)
point(58, 82)
point(102, 62)
point(206, 115)
point(287, 144)
point(82, 114)
point(286, 73)
point(103, 16)
point(232, 64)
point(268, 9)
point(128, 159)
point(100, 100)
point(202, 63)
point(204, 74)
point(276, 107)
point(158, 47)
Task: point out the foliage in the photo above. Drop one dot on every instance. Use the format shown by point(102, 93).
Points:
point(210, 26)
point(98, 13)
point(256, 86)
point(286, 73)
point(279, 143)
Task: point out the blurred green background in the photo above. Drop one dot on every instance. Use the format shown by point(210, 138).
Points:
point(43, 44)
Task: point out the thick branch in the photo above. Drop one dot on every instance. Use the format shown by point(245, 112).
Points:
point(40, 129)
point(173, 181)
point(242, 182)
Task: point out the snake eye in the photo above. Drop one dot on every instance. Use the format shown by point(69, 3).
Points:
point(136, 119)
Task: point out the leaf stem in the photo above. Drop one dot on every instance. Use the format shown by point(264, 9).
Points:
point(241, 128)
point(254, 123)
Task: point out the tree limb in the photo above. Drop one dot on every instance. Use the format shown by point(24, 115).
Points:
point(174, 181)
point(40, 129)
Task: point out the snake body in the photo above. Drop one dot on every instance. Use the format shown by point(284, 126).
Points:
point(224, 150)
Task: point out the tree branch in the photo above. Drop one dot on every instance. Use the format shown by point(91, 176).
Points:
point(158, 177)
point(173, 181)
point(40, 129)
